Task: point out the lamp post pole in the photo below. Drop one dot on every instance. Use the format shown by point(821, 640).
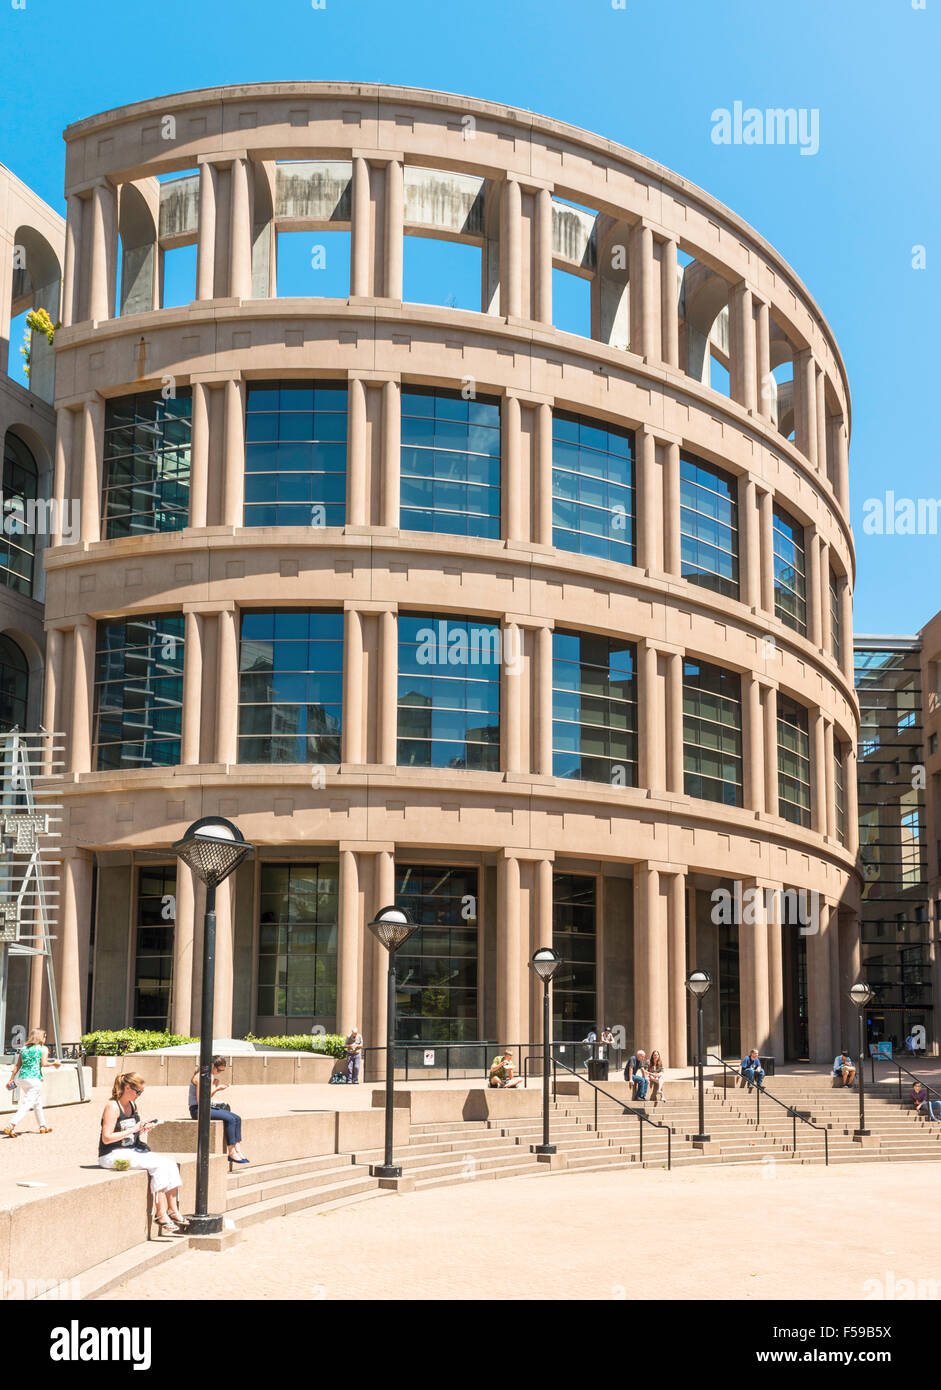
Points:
point(392, 926)
point(861, 994)
point(698, 983)
point(545, 962)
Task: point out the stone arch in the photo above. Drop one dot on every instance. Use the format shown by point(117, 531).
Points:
point(138, 212)
point(704, 320)
point(21, 668)
point(37, 280)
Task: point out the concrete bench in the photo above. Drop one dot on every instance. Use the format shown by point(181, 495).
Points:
point(277, 1138)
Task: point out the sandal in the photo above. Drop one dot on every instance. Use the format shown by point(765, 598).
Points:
point(180, 1222)
point(167, 1226)
point(45, 1129)
point(10, 1132)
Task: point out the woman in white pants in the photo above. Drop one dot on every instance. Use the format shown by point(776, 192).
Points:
point(27, 1074)
point(122, 1132)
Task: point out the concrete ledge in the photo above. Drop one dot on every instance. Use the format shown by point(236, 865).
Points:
point(266, 1139)
point(59, 1087)
point(175, 1069)
point(359, 1131)
point(475, 1103)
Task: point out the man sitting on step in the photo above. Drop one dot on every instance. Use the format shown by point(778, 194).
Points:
point(752, 1070)
point(844, 1066)
point(636, 1074)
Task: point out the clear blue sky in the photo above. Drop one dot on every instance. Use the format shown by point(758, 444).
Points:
point(649, 76)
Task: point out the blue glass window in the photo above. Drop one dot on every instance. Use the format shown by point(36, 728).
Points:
point(146, 464)
point(297, 944)
point(712, 733)
point(708, 526)
point(139, 692)
point(295, 453)
point(290, 686)
point(575, 982)
point(18, 530)
point(449, 693)
point(593, 505)
point(594, 709)
point(793, 762)
point(437, 966)
point(836, 620)
point(450, 464)
point(790, 590)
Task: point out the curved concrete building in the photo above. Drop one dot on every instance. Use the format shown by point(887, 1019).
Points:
point(546, 635)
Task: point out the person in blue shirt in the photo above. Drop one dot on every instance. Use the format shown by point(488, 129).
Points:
point(844, 1066)
point(752, 1070)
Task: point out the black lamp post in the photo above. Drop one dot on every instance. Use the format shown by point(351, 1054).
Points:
point(861, 994)
point(699, 982)
point(545, 962)
point(392, 926)
point(213, 848)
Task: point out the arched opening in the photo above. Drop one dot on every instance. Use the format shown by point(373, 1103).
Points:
point(704, 326)
point(36, 280)
point(17, 536)
point(14, 685)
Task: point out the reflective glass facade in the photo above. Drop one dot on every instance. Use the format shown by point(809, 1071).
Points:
point(712, 733)
point(836, 620)
point(146, 464)
point(436, 969)
point(575, 982)
point(290, 686)
point(295, 453)
point(793, 762)
point(790, 584)
point(594, 709)
point(14, 685)
point(139, 692)
point(297, 944)
point(153, 955)
point(450, 464)
point(17, 537)
point(449, 693)
point(593, 501)
point(708, 526)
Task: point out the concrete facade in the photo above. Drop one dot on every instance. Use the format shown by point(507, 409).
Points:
point(677, 285)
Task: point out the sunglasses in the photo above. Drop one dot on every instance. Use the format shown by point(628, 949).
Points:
point(138, 1090)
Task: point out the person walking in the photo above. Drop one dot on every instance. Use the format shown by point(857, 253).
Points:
point(354, 1055)
point(27, 1074)
point(122, 1137)
point(232, 1123)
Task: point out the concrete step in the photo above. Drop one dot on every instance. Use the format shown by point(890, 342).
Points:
point(274, 1187)
point(322, 1196)
point(109, 1274)
point(289, 1168)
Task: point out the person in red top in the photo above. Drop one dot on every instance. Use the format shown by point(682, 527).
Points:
point(922, 1102)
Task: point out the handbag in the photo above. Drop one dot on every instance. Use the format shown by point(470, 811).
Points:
point(221, 1105)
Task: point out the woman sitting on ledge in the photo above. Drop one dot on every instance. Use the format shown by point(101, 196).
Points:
point(121, 1137)
point(232, 1123)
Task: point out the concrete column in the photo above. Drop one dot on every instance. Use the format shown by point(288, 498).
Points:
point(353, 693)
point(224, 975)
point(820, 401)
point(391, 450)
point(52, 672)
point(542, 475)
point(357, 463)
point(512, 488)
point(395, 224)
point(678, 969)
point(763, 361)
point(771, 752)
point(775, 984)
point(37, 984)
point(851, 802)
point(359, 236)
point(93, 445)
point(669, 302)
point(65, 447)
point(206, 245)
point(199, 456)
point(650, 719)
point(388, 697)
point(648, 503)
point(753, 972)
point(512, 701)
point(349, 954)
point(749, 542)
point(384, 890)
point(742, 347)
point(643, 309)
point(842, 469)
point(103, 259)
point(828, 778)
point(511, 288)
point(70, 274)
point(818, 782)
point(671, 510)
point(83, 686)
point(832, 939)
point(509, 936)
point(674, 725)
point(846, 628)
point(72, 946)
point(541, 936)
point(542, 701)
point(753, 744)
point(543, 276)
point(814, 594)
point(234, 480)
point(805, 405)
point(227, 689)
point(241, 230)
point(651, 954)
point(181, 987)
point(826, 626)
point(851, 970)
point(192, 690)
point(766, 549)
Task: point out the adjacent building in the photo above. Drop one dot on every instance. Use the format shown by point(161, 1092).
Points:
point(544, 635)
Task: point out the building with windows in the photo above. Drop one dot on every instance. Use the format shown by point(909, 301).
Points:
point(545, 635)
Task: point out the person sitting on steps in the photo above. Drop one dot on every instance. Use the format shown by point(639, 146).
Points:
point(752, 1070)
point(844, 1067)
point(636, 1074)
point(501, 1070)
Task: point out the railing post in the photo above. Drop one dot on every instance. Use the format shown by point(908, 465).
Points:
point(794, 1133)
point(641, 1123)
point(596, 1112)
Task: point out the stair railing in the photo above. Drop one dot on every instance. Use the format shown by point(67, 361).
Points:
point(626, 1109)
point(790, 1109)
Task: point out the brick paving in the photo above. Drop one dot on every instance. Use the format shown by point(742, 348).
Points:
point(748, 1233)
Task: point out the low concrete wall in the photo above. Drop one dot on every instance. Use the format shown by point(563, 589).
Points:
point(358, 1131)
point(175, 1070)
point(475, 1103)
point(59, 1087)
point(266, 1139)
point(83, 1216)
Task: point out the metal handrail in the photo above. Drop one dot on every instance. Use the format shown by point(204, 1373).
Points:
point(626, 1109)
point(415, 1046)
point(899, 1068)
point(794, 1114)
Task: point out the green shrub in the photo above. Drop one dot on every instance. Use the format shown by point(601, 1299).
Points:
point(109, 1043)
point(333, 1044)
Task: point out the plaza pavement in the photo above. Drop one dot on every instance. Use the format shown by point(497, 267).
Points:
point(750, 1233)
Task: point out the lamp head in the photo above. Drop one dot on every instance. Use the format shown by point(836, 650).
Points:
point(545, 962)
point(392, 926)
point(213, 848)
point(698, 982)
point(861, 994)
